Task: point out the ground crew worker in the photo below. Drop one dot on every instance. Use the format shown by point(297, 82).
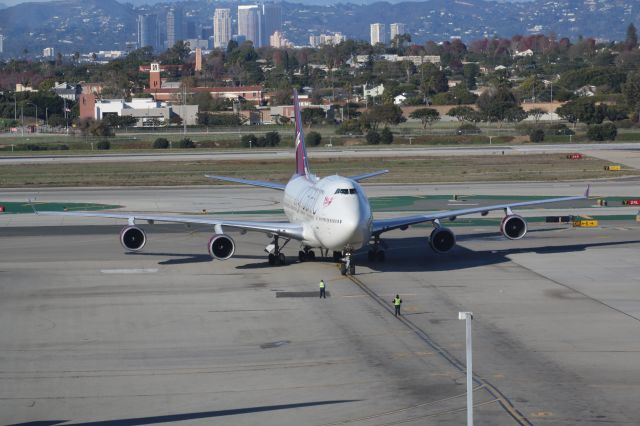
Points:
point(322, 292)
point(396, 303)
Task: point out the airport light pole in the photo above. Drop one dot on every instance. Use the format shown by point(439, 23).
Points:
point(468, 316)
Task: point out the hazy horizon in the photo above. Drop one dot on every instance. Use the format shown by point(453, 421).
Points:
point(9, 3)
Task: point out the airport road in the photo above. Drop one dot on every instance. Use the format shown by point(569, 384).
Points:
point(93, 336)
point(328, 152)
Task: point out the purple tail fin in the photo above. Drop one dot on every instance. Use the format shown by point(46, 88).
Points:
point(302, 166)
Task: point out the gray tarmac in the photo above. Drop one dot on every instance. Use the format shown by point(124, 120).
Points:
point(91, 335)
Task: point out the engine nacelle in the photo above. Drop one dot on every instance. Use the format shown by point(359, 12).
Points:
point(221, 247)
point(513, 227)
point(132, 238)
point(442, 240)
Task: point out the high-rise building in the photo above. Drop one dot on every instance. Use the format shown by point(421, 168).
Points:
point(378, 34)
point(148, 32)
point(221, 28)
point(271, 21)
point(175, 26)
point(1, 43)
point(278, 41)
point(397, 29)
point(249, 18)
point(48, 52)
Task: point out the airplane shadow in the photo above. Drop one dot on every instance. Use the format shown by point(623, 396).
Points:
point(187, 416)
point(185, 258)
point(415, 255)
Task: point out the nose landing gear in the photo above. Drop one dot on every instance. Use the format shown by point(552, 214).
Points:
point(347, 266)
point(307, 255)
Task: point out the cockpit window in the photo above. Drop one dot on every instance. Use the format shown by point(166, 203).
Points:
point(345, 191)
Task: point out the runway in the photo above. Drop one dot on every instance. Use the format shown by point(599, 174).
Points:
point(93, 336)
point(630, 156)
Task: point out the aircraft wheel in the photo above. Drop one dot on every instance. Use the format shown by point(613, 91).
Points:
point(311, 255)
point(272, 259)
point(302, 256)
point(282, 259)
point(352, 269)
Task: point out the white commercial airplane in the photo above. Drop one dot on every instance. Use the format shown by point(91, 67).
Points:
point(331, 213)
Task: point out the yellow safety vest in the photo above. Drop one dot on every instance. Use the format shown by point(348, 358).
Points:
point(321, 284)
point(397, 301)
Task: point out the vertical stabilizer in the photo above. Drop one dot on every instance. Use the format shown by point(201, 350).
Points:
point(302, 166)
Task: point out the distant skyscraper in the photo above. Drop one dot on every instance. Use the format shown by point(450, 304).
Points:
point(378, 34)
point(1, 43)
point(397, 29)
point(271, 21)
point(249, 23)
point(148, 32)
point(175, 26)
point(221, 28)
point(48, 52)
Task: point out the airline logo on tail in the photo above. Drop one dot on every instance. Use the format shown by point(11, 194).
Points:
point(302, 166)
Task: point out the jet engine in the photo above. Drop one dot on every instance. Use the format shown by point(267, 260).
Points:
point(221, 247)
point(513, 227)
point(442, 240)
point(132, 238)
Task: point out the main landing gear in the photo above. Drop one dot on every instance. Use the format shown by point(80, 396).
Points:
point(376, 254)
point(306, 254)
point(276, 257)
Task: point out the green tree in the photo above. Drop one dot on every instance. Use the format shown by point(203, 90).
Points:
point(161, 143)
point(536, 113)
point(470, 72)
point(498, 104)
point(536, 135)
point(373, 137)
point(386, 136)
point(272, 139)
point(313, 138)
point(186, 143)
point(631, 92)
point(461, 113)
point(601, 132)
point(386, 114)
point(427, 116)
point(249, 141)
point(312, 116)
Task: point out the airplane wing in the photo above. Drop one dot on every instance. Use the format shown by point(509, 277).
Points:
point(383, 225)
point(261, 183)
point(368, 175)
point(283, 229)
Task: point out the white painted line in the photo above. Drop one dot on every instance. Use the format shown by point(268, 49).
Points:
point(130, 271)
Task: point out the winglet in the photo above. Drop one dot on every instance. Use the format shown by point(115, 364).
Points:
point(586, 193)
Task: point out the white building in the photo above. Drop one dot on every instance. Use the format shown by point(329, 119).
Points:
point(372, 91)
point(278, 41)
point(378, 34)
point(1, 43)
point(417, 60)
point(146, 110)
point(330, 39)
point(397, 29)
point(221, 28)
point(48, 52)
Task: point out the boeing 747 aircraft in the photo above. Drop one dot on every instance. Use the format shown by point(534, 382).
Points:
point(331, 213)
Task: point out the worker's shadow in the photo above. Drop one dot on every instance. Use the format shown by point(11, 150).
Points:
point(414, 254)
